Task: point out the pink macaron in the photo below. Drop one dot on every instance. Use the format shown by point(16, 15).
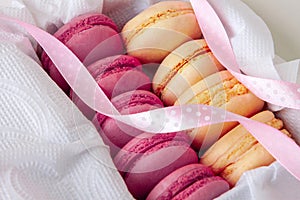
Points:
point(115, 75)
point(116, 134)
point(191, 182)
point(90, 37)
point(148, 158)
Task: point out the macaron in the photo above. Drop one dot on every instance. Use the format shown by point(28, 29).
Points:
point(115, 75)
point(148, 158)
point(158, 30)
point(184, 67)
point(220, 90)
point(194, 181)
point(82, 35)
point(238, 151)
point(116, 134)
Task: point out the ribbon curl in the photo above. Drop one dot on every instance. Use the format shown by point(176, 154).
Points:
point(176, 118)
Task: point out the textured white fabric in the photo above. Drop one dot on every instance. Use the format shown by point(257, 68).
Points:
point(265, 183)
point(49, 150)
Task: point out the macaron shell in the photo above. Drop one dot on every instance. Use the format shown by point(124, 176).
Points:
point(231, 138)
point(119, 74)
point(115, 75)
point(116, 84)
point(81, 36)
point(201, 86)
point(143, 143)
point(178, 181)
point(123, 81)
point(207, 135)
point(118, 133)
point(184, 67)
point(112, 62)
point(82, 21)
point(166, 19)
point(234, 153)
point(238, 151)
point(205, 189)
point(203, 90)
point(152, 168)
point(82, 44)
point(58, 78)
point(257, 156)
point(134, 98)
point(154, 9)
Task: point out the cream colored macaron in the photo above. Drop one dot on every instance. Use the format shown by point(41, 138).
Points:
point(220, 90)
point(185, 66)
point(238, 151)
point(154, 33)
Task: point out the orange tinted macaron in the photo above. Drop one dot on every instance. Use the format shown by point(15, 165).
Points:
point(154, 33)
point(220, 90)
point(185, 66)
point(238, 151)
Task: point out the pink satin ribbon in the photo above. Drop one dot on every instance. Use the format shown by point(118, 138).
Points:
point(177, 118)
point(277, 92)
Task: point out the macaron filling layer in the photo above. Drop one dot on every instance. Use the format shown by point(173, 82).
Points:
point(185, 181)
point(86, 24)
point(179, 67)
point(220, 94)
point(156, 18)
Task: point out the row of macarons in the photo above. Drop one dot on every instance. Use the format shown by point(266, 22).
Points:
point(188, 73)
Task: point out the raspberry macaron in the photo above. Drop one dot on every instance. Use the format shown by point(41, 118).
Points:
point(148, 158)
point(115, 75)
point(116, 134)
point(191, 182)
point(82, 35)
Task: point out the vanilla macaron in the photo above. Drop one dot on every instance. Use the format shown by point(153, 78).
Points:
point(154, 33)
point(185, 66)
point(238, 151)
point(220, 90)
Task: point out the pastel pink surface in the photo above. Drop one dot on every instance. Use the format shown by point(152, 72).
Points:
point(147, 166)
point(81, 36)
point(116, 134)
point(179, 180)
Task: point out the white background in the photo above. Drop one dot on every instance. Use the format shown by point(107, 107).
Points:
point(283, 19)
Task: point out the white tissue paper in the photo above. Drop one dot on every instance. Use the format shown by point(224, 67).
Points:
point(50, 151)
